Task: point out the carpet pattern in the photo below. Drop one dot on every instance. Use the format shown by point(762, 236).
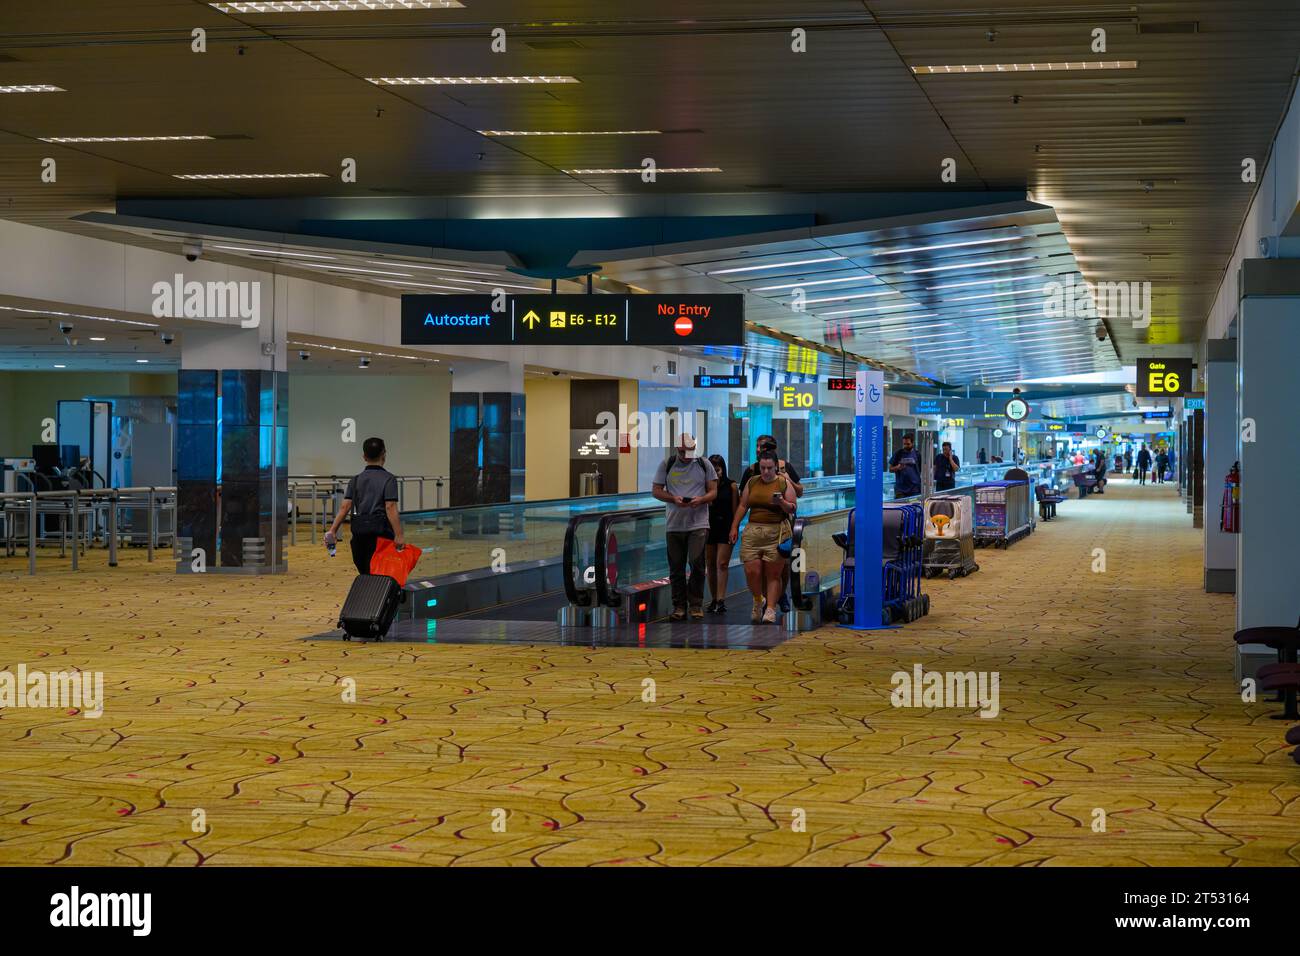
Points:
point(227, 740)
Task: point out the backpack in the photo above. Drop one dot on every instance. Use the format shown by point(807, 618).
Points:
point(673, 461)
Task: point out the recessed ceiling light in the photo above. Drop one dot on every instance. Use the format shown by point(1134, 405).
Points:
point(141, 361)
point(969, 265)
point(570, 132)
point(946, 245)
point(776, 265)
point(878, 308)
point(98, 338)
point(1061, 67)
point(994, 295)
point(372, 272)
point(119, 139)
point(403, 283)
point(32, 88)
point(635, 170)
point(859, 295)
point(272, 252)
point(60, 366)
point(998, 281)
point(249, 176)
point(331, 6)
point(78, 315)
point(469, 80)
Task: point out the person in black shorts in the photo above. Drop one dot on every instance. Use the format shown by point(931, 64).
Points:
point(373, 494)
point(718, 546)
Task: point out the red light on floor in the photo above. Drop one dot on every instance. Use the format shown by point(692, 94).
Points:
point(640, 607)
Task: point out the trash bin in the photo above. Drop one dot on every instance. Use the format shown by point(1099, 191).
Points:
point(589, 483)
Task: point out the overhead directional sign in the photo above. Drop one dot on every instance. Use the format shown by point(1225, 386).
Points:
point(573, 320)
point(794, 398)
point(721, 381)
point(949, 407)
point(1164, 378)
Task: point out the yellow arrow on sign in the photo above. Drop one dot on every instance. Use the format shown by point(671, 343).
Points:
point(531, 319)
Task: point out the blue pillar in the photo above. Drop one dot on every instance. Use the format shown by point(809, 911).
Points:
point(868, 497)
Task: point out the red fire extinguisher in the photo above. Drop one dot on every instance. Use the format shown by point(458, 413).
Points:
point(1230, 510)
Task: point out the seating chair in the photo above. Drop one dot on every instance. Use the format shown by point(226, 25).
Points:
point(1279, 676)
point(1047, 502)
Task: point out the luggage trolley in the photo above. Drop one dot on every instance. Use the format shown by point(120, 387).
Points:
point(949, 537)
point(1002, 512)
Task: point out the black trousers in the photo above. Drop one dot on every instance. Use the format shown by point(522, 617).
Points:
point(945, 484)
point(363, 549)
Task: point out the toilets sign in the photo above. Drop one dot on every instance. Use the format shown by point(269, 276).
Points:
point(573, 320)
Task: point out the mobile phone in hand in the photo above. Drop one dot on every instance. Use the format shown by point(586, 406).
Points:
point(686, 500)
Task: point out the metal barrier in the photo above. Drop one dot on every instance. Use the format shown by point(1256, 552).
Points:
point(325, 492)
point(99, 507)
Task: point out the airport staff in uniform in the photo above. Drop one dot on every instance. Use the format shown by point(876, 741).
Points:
point(906, 466)
point(373, 493)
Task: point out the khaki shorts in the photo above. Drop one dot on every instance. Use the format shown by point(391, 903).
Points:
point(759, 541)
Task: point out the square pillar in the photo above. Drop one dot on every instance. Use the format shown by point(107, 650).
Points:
point(1221, 434)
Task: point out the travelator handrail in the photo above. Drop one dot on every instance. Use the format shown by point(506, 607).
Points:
point(603, 596)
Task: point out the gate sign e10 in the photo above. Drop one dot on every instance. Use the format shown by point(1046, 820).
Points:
point(1164, 378)
point(796, 398)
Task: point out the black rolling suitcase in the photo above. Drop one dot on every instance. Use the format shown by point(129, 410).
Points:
point(370, 607)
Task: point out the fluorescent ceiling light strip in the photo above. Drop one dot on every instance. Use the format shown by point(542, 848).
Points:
point(1066, 66)
point(32, 88)
point(470, 81)
point(969, 265)
point(422, 285)
point(504, 285)
point(249, 176)
point(1015, 311)
point(629, 170)
point(948, 245)
point(120, 139)
point(973, 282)
point(570, 132)
point(412, 265)
point(373, 272)
point(798, 285)
point(994, 295)
point(776, 265)
point(78, 315)
point(271, 252)
point(876, 308)
point(859, 295)
point(331, 6)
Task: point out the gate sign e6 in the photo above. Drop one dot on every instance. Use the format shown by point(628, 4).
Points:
point(796, 398)
point(1164, 377)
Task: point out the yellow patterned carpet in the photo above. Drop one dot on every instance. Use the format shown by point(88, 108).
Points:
point(1116, 696)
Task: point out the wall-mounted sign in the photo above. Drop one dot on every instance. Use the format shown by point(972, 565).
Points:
point(1156, 416)
point(841, 384)
point(796, 398)
point(1017, 409)
point(573, 320)
point(1191, 404)
point(1164, 378)
point(587, 443)
point(997, 433)
point(721, 381)
point(1101, 432)
point(955, 422)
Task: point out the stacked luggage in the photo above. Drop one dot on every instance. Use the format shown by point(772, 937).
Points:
point(901, 557)
point(949, 537)
point(1003, 512)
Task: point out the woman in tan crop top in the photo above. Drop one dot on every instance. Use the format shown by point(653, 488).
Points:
point(769, 500)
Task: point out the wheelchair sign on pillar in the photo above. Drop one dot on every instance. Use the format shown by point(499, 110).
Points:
point(868, 498)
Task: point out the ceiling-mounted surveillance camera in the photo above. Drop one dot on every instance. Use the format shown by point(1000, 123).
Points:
point(192, 251)
point(555, 371)
point(365, 362)
point(167, 337)
point(1101, 332)
point(304, 354)
point(65, 327)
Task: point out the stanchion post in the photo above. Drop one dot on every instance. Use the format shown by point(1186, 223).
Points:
point(76, 527)
point(112, 529)
point(153, 525)
point(31, 534)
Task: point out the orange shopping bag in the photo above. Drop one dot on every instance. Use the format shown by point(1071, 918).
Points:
point(396, 564)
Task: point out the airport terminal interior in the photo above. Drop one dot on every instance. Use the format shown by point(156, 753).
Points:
point(464, 433)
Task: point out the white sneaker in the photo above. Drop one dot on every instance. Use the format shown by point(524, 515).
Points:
point(769, 616)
